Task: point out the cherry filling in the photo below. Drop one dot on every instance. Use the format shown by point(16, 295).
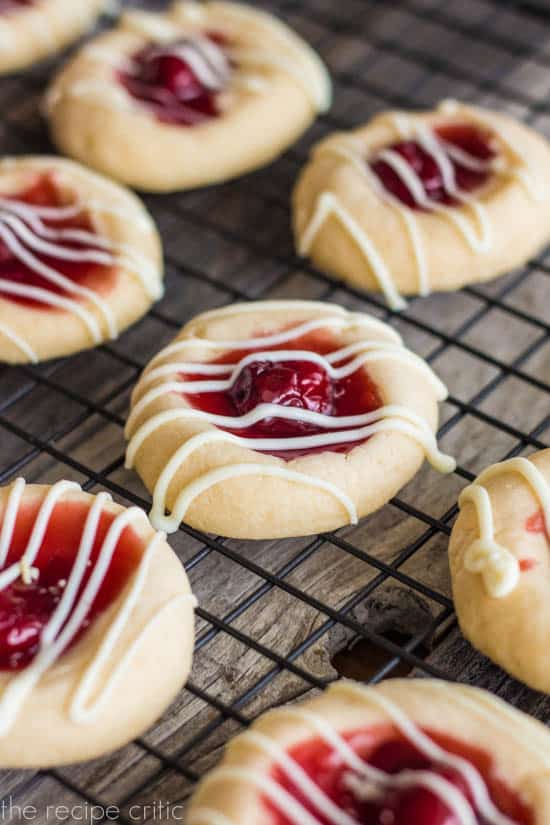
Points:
point(44, 193)
point(298, 384)
point(180, 82)
point(301, 384)
point(385, 749)
point(469, 150)
point(25, 609)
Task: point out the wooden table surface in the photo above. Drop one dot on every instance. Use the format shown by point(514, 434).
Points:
point(278, 619)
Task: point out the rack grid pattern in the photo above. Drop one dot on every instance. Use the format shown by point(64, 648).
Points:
point(232, 243)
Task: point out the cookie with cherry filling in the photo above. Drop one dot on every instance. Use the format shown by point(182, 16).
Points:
point(31, 30)
point(207, 91)
point(414, 202)
point(406, 752)
point(281, 418)
point(96, 624)
point(80, 259)
point(500, 561)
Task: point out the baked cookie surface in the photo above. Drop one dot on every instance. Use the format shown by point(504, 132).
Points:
point(406, 752)
point(80, 259)
point(500, 561)
point(418, 202)
point(96, 631)
point(281, 418)
point(207, 91)
point(31, 30)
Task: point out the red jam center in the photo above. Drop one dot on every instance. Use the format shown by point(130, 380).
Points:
point(180, 82)
point(300, 384)
point(385, 749)
point(471, 140)
point(96, 277)
point(26, 608)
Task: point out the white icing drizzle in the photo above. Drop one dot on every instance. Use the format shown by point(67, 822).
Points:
point(279, 63)
point(490, 708)
point(338, 429)
point(301, 61)
point(429, 748)
point(363, 780)
point(193, 10)
point(497, 564)
point(68, 616)
point(342, 322)
point(19, 342)
point(521, 171)
point(370, 351)
point(217, 68)
point(25, 235)
point(329, 205)
point(207, 60)
point(351, 151)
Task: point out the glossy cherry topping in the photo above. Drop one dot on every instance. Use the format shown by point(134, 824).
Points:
point(180, 82)
point(536, 523)
point(99, 278)
point(301, 384)
point(470, 140)
point(26, 608)
point(298, 384)
point(384, 748)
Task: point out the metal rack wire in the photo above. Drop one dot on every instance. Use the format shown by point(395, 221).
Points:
point(408, 53)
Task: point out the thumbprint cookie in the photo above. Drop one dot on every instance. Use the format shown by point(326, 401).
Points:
point(96, 624)
point(414, 202)
point(281, 418)
point(406, 752)
point(500, 564)
point(197, 95)
point(80, 259)
point(31, 30)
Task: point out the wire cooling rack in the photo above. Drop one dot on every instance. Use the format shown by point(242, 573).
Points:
point(279, 619)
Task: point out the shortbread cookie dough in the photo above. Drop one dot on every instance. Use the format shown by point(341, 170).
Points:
point(415, 202)
point(80, 259)
point(96, 630)
point(194, 96)
point(406, 752)
point(500, 565)
point(31, 30)
point(281, 418)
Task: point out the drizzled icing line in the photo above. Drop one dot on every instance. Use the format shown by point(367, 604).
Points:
point(490, 708)
point(367, 352)
point(521, 171)
point(342, 323)
point(363, 779)
point(23, 232)
point(497, 564)
point(352, 151)
point(206, 58)
point(19, 342)
point(391, 418)
point(67, 618)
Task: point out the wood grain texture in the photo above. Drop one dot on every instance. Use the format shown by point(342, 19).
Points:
point(276, 616)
